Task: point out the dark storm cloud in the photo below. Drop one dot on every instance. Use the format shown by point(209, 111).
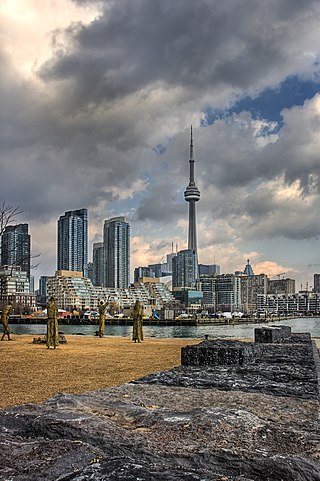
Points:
point(197, 45)
point(160, 204)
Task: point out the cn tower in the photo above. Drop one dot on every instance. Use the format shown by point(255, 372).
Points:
point(192, 195)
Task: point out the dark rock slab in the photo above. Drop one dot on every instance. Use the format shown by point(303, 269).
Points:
point(272, 334)
point(220, 352)
point(153, 432)
point(287, 368)
point(252, 422)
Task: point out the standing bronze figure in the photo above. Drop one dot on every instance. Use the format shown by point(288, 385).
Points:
point(102, 317)
point(52, 324)
point(6, 311)
point(137, 322)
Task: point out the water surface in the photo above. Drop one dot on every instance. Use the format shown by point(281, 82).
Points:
point(242, 330)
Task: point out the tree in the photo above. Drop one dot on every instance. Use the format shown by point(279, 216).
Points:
point(8, 215)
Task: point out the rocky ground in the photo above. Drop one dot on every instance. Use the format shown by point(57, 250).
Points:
point(243, 422)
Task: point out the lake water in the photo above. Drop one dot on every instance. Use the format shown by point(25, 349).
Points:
point(243, 330)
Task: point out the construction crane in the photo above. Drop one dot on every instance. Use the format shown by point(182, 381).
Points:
point(281, 274)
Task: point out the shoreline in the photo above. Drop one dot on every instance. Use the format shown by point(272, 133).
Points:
point(14, 320)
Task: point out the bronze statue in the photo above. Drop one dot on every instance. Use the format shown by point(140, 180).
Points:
point(137, 322)
point(52, 324)
point(102, 318)
point(6, 311)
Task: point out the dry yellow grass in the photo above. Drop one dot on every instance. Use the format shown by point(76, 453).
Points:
point(33, 373)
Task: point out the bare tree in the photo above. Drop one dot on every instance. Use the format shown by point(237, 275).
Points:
point(8, 215)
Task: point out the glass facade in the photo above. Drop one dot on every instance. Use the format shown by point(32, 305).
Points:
point(116, 240)
point(73, 241)
point(98, 264)
point(15, 247)
point(184, 269)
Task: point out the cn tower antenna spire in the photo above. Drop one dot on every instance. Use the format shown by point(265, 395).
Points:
point(192, 195)
point(191, 145)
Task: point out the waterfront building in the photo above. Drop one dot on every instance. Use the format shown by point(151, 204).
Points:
point(301, 303)
point(73, 241)
point(192, 195)
point(15, 247)
point(316, 283)
point(281, 286)
point(15, 287)
point(71, 289)
point(190, 297)
point(156, 269)
point(140, 272)
point(207, 285)
point(116, 240)
point(205, 270)
point(228, 293)
point(98, 264)
point(221, 293)
point(184, 269)
point(42, 292)
point(90, 271)
point(251, 287)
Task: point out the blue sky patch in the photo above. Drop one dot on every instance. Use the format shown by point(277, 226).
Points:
point(268, 105)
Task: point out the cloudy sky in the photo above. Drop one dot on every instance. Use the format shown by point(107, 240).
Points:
point(97, 99)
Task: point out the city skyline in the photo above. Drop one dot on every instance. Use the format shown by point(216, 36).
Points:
point(97, 110)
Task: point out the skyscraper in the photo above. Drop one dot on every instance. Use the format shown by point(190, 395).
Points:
point(73, 241)
point(184, 269)
point(192, 195)
point(116, 240)
point(98, 264)
point(15, 247)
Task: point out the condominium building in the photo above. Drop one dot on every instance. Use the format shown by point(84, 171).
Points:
point(90, 271)
point(15, 247)
point(228, 292)
point(116, 240)
point(15, 287)
point(157, 270)
point(221, 292)
point(98, 264)
point(42, 292)
point(73, 241)
point(207, 269)
point(303, 302)
point(281, 286)
point(71, 289)
point(252, 286)
point(184, 269)
point(316, 283)
point(141, 271)
point(207, 285)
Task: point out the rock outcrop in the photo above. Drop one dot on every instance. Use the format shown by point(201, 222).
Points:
point(255, 420)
